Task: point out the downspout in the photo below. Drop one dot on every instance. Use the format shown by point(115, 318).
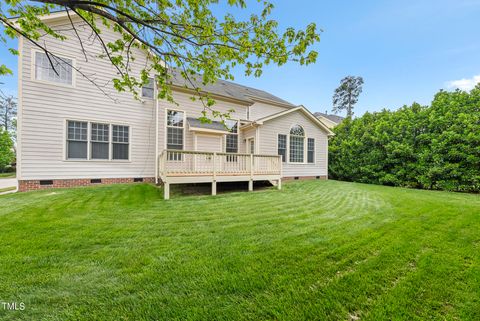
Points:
point(156, 133)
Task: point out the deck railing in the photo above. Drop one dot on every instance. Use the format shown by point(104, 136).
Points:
point(195, 163)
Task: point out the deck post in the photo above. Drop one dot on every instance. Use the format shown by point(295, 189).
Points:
point(279, 184)
point(250, 182)
point(214, 188)
point(166, 191)
point(214, 166)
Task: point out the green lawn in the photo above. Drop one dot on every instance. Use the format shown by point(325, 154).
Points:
point(320, 250)
point(6, 189)
point(7, 175)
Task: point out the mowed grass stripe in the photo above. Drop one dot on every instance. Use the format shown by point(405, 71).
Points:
point(315, 250)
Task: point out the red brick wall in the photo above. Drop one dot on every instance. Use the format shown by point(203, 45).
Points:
point(32, 185)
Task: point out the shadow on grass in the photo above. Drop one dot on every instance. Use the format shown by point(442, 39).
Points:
point(222, 188)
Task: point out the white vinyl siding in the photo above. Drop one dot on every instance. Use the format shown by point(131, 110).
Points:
point(209, 143)
point(259, 110)
point(45, 108)
point(268, 141)
point(194, 109)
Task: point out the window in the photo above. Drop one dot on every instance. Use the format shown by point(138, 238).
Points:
point(99, 146)
point(77, 140)
point(120, 142)
point(282, 146)
point(148, 89)
point(99, 141)
point(61, 72)
point(231, 140)
point(311, 150)
point(297, 138)
point(175, 127)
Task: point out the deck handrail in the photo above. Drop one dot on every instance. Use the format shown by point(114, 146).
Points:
point(186, 162)
point(218, 153)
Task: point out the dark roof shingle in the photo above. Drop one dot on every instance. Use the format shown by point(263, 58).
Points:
point(226, 88)
point(215, 125)
point(335, 118)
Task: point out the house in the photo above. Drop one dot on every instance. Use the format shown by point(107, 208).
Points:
point(73, 133)
point(328, 119)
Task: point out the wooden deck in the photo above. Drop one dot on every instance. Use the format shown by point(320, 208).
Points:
point(183, 167)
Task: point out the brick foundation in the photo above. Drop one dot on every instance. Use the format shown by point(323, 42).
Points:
point(33, 185)
point(291, 178)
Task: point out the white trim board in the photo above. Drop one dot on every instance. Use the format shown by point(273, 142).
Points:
point(299, 108)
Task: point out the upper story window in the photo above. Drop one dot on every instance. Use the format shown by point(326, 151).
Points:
point(56, 69)
point(297, 143)
point(148, 89)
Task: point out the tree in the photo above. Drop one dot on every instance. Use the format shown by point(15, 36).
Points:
point(430, 147)
point(7, 155)
point(8, 112)
point(346, 95)
point(181, 34)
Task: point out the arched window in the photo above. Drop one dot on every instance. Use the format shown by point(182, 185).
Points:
point(297, 141)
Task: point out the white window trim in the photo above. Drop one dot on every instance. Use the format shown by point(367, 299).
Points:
point(305, 147)
point(286, 147)
point(247, 147)
point(154, 90)
point(314, 151)
point(53, 83)
point(165, 125)
point(129, 143)
point(110, 141)
point(238, 137)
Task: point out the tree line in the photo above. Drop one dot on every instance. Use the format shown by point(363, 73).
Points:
point(8, 126)
point(430, 147)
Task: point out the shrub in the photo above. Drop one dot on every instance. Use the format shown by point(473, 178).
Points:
point(430, 147)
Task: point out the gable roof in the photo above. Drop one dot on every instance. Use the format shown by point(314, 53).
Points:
point(227, 89)
point(334, 118)
point(302, 109)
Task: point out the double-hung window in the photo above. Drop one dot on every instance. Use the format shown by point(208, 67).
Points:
point(77, 140)
point(282, 146)
point(120, 142)
point(175, 131)
point(297, 139)
point(231, 139)
point(148, 89)
point(311, 150)
point(53, 68)
point(97, 141)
